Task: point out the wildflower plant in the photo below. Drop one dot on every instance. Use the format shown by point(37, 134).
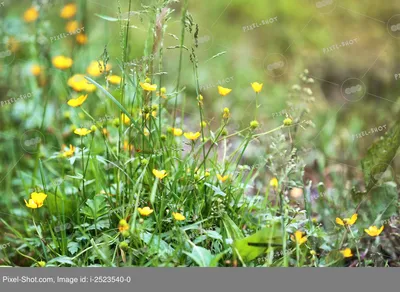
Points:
point(157, 185)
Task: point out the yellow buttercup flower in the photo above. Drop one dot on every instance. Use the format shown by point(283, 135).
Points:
point(192, 136)
point(82, 131)
point(257, 87)
point(70, 152)
point(68, 11)
point(75, 102)
point(274, 183)
point(148, 87)
point(78, 83)
point(222, 178)
point(128, 146)
point(35, 70)
point(373, 231)
point(31, 14)
point(146, 211)
point(95, 68)
point(36, 200)
point(298, 237)
point(72, 26)
point(346, 253)
point(178, 216)
point(62, 62)
point(160, 174)
point(125, 119)
point(123, 225)
point(90, 87)
point(347, 221)
point(177, 132)
point(224, 91)
point(114, 79)
point(81, 39)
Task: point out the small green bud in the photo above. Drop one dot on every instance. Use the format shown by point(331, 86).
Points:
point(115, 122)
point(287, 122)
point(125, 233)
point(254, 124)
point(123, 245)
point(144, 162)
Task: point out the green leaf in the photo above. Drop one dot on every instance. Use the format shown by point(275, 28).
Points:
point(217, 190)
point(95, 208)
point(383, 203)
point(73, 247)
point(380, 155)
point(232, 230)
point(62, 260)
point(255, 245)
point(201, 256)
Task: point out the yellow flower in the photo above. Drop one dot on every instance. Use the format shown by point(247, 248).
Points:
point(128, 146)
point(146, 211)
point(224, 91)
point(68, 11)
point(346, 253)
point(177, 132)
point(178, 216)
point(70, 152)
point(82, 131)
point(36, 200)
point(90, 87)
point(298, 237)
point(148, 87)
point(160, 174)
point(146, 132)
point(72, 26)
point(347, 221)
point(257, 87)
point(81, 39)
point(95, 68)
point(222, 178)
point(75, 102)
point(125, 119)
point(123, 225)
point(31, 14)
point(78, 83)
point(62, 62)
point(114, 79)
point(192, 136)
point(274, 183)
point(35, 70)
point(162, 92)
point(373, 231)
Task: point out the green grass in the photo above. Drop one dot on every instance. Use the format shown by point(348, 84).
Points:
point(222, 182)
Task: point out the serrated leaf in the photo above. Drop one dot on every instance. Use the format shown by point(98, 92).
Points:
point(73, 247)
